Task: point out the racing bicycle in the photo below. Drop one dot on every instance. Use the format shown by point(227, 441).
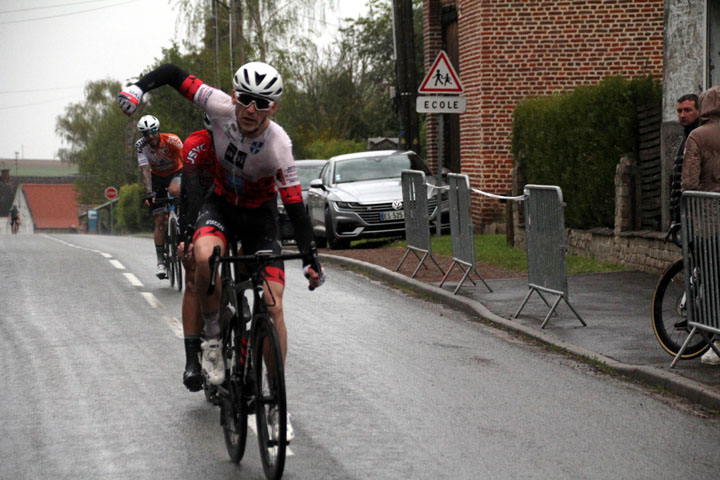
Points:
point(254, 378)
point(669, 309)
point(172, 240)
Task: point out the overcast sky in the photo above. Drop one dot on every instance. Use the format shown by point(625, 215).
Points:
point(52, 48)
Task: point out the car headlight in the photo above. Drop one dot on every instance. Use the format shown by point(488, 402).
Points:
point(342, 204)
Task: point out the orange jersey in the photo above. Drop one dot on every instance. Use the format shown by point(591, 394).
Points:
point(164, 160)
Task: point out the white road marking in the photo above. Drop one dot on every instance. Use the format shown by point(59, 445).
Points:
point(175, 326)
point(117, 264)
point(252, 424)
point(134, 281)
point(151, 299)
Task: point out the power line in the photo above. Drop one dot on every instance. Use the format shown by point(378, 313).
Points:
point(67, 14)
point(36, 104)
point(50, 6)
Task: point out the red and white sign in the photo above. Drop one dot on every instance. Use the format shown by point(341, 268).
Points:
point(441, 77)
point(111, 193)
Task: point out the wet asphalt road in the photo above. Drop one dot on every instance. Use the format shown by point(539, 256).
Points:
point(381, 384)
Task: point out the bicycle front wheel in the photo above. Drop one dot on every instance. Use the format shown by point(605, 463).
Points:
point(175, 264)
point(270, 406)
point(669, 315)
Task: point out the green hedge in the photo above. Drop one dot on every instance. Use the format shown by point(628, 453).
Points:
point(575, 141)
point(132, 215)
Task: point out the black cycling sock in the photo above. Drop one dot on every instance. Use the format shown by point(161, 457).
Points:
point(192, 350)
point(160, 253)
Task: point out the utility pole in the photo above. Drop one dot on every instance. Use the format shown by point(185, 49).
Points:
point(405, 71)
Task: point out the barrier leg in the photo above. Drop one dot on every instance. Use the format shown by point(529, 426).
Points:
point(482, 279)
point(407, 251)
point(682, 349)
point(523, 302)
point(575, 312)
point(554, 306)
point(467, 272)
point(452, 265)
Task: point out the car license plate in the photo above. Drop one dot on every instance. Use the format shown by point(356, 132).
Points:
point(396, 215)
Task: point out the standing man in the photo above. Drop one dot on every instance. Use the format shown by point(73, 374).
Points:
point(160, 162)
point(689, 118)
point(14, 219)
point(701, 166)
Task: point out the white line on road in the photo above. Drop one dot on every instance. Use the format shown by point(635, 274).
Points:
point(252, 424)
point(134, 281)
point(151, 299)
point(117, 264)
point(175, 326)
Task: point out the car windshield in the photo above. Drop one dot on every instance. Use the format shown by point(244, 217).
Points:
point(308, 173)
point(376, 168)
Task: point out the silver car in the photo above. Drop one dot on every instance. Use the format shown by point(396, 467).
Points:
point(359, 195)
point(307, 170)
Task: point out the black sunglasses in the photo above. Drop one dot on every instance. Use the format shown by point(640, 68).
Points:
point(146, 133)
point(245, 99)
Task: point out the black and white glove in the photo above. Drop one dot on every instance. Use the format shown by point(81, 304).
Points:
point(129, 99)
point(321, 274)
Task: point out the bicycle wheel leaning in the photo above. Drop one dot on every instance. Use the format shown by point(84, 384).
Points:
point(669, 314)
point(270, 401)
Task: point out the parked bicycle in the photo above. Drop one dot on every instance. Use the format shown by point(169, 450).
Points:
point(173, 237)
point(669, 309)
point(255, 378)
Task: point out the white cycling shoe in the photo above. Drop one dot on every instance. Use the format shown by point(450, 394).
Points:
point(213, 365)
point(161, 271)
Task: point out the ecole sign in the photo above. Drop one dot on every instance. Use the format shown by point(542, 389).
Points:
point(441, 104)
point(441, 79)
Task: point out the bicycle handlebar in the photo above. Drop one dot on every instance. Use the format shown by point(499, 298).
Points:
point(259, 259)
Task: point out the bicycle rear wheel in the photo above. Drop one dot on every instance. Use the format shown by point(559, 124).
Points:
point(669, 315)
point(270, 406)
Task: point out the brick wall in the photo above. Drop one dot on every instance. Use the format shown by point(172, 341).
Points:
point(510, 50)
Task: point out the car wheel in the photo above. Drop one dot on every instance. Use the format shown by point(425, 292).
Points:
point(334, 242)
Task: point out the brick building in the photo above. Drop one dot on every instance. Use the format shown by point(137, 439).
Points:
point(506, 51)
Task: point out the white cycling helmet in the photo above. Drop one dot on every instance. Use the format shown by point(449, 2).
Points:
point(260, 79)
point(149, 124)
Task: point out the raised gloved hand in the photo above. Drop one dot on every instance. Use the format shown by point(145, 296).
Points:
point(129, 99)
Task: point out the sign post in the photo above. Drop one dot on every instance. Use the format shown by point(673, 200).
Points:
point(111, 193)
point(441, 79)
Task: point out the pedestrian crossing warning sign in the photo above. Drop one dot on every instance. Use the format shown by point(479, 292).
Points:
point(441, 77)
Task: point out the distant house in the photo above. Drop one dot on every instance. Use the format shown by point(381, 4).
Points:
point(47, 207)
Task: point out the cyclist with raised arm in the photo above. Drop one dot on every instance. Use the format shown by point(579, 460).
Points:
point(255, 161)
point(160, 160)
point(199, 162)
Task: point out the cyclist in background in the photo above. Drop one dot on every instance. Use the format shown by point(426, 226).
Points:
point(198, 169)
point(255, 161)
point(160, 161)
point(14, 219)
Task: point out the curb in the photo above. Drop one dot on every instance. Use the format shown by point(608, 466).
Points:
point(652, 376)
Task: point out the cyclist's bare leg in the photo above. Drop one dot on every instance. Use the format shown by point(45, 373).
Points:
point(191, 317)
point(276, 312)
point(202, 250)
point(174, 189)
point(161, 220)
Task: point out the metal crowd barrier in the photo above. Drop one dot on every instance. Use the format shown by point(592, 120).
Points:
point(546, 248)
point(700, 220)
point(417, 229)
point(461, 231)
